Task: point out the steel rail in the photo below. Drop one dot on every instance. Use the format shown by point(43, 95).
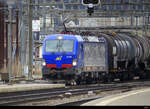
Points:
point(20, 98)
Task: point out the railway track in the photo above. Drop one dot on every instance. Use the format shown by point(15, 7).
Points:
point(7, 99)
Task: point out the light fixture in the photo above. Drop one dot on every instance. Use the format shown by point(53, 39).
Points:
point(44, 63)
point(59, 37)
point(74, 63)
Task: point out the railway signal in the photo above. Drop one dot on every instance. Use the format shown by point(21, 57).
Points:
point(90, 4)
point(94, 2)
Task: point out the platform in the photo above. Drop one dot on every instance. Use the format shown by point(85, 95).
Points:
point(132, 98)
point(27, 87)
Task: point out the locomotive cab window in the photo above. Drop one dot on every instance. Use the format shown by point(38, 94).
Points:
point(59, 46)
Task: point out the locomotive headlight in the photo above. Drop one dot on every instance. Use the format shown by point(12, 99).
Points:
point(74, 63)
point(59, 37)
point(44, 63)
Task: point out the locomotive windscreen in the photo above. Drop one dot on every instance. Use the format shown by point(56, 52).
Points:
point(59, 46)
point(94, 55)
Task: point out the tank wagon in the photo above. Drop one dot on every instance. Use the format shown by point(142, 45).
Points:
point(105, 56)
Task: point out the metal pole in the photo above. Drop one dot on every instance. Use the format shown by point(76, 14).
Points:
point(22, 34)
point(54, 23)
point(146, 22)
point(10, 43)
point(136, 25)
point(44, 18)
point(143, 30)
point(132, 20)
point(30, 65)
point(17, 43)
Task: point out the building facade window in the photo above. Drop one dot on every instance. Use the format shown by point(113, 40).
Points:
point(68, 7)
point(82, 7)
point(57, 0)
point(60, 6)
point(66, 1)
point(75, 7)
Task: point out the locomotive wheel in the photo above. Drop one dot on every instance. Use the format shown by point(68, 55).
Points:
point(67, 83)
point(73, 83)
point(46, 77)
point(70, 83)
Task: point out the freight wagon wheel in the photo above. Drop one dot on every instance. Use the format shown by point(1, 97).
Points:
point(108, 78)
point(124, 76)
point(142, 75)
point(105, 79)
point(130, 75)
point(78, 80)
point(147, 74)
point(88, 80)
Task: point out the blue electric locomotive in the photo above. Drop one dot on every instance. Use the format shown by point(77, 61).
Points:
point(63, 55)
point(72, 57)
